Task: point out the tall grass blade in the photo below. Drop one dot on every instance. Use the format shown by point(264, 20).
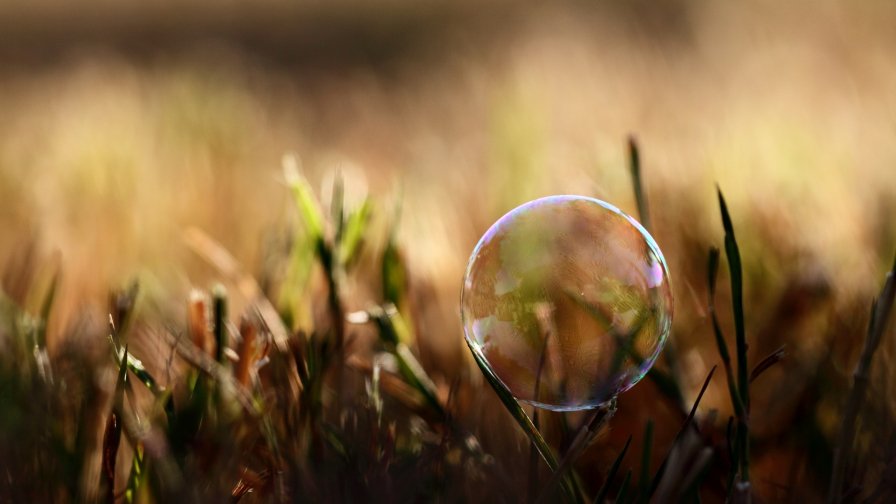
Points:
point(622, 496)
point(743, 381)
point(646, 455)
point(660, 473)
point(601, 496)
point(712, 271)
point(518, 414)
point(586, 433)
point(666, 382)
point(634, 156)
point(880, 314)
point(138, 468)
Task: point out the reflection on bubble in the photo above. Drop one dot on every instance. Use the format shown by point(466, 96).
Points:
point(568, 301)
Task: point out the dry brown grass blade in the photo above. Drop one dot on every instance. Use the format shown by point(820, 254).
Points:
point(216, 255)
point(772, 359)
point(197, 321)
point(245, 351)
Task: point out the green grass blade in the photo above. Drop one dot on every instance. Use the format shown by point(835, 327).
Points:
point(337, 208)
point(415, 374)
point(138, 468)
point(646, 455)
point(46, 307)
point(611, 474)
point(743, 380)
point(623, 490)
point(136, 366)
point(304, 197)
point(354, 230)
point(391, 326)
point(712, 271)
point(732, 252)
point(516, 411)
point(657, 478)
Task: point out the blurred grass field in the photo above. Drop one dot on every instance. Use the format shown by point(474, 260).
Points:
point(121, 133)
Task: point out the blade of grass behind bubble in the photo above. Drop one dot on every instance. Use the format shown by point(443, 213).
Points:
point(518, 414)
point(611, 474)
point(667, 382)
point(634, 156)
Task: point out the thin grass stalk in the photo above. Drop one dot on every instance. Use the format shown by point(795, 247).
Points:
point(667, 383)
point(712, 270)
point(518, 414)
point(880, 313)
point(634, 157)
point(623, 490)
point(533, 451)
point(611, 474)
point(681, 432)
point(598, 419)
point(646, 455)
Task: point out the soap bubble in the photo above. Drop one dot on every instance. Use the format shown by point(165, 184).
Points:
point(568, 302)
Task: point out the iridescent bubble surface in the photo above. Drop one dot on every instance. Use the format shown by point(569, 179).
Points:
point(567, 300)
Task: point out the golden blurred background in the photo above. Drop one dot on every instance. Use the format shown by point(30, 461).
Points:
point(121, 126)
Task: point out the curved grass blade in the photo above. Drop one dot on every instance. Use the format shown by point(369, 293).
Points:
point(732, 252)
point(516, 411)
point(769, 361)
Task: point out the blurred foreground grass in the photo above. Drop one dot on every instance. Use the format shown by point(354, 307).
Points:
point(111, 162)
